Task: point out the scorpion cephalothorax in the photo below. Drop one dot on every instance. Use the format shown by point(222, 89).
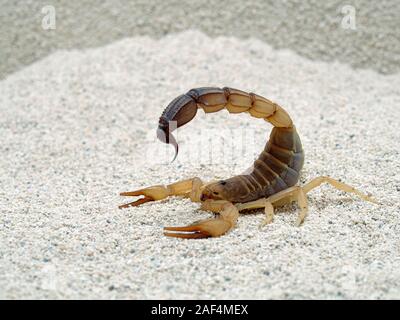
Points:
point(271, 181)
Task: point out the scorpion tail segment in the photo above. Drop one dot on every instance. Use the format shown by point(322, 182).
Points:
point(179, 112)
point(182, 109)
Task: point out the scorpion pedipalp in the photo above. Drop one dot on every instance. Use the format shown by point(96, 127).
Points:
point(149, 194)
point(213, 227)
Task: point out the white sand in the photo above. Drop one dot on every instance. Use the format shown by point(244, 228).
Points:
point(79, 127)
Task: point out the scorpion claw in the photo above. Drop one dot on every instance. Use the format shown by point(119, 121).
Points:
point(149, 194)
point(135, 203)
point(203, 229)
point(194, 235)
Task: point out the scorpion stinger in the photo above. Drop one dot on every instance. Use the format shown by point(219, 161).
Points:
point(179, 112)
point(164, 135)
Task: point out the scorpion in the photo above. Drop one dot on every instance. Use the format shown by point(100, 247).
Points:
point(271, 182)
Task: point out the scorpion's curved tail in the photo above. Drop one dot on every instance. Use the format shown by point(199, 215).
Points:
point(180, 111)
point(183, 109)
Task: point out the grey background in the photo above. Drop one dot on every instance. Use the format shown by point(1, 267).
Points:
point(310, 28)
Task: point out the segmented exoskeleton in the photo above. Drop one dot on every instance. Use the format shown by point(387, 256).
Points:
point(270, 183)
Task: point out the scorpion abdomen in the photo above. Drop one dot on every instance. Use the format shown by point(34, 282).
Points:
point(279, 164)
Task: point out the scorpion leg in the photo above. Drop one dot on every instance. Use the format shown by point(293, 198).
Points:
point(214, 227)
point(283, 197)
point(261, 203)
point(298, 194)
point(190, 188)
point(269, 214)
point(338, 185)
point(302, 203)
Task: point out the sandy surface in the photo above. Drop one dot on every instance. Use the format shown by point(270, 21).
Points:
point(311, 28)
point(78, 127)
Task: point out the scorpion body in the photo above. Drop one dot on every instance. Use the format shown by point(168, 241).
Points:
point(271, 182)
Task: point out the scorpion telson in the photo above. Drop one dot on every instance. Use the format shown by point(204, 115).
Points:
point(271, 183)
point(179, 112)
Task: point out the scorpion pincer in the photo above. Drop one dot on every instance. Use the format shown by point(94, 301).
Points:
point(271, 183)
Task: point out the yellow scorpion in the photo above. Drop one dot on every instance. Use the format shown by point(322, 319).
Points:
point(271, 183)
